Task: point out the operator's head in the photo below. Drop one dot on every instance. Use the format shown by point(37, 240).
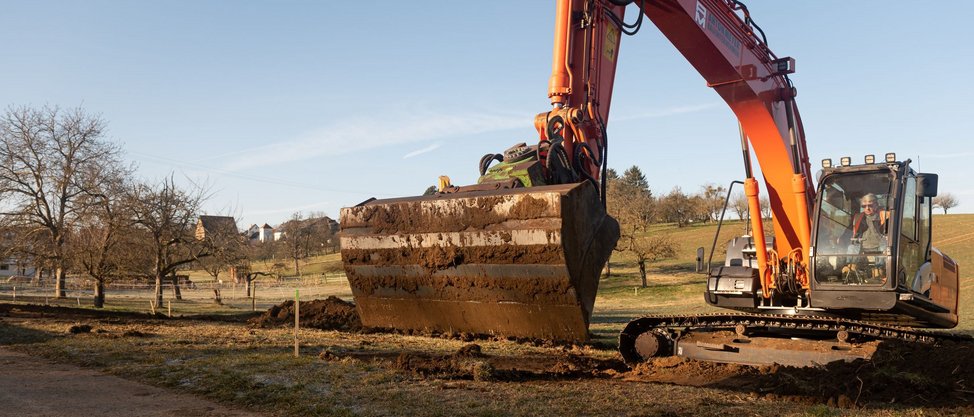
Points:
point(868, 203)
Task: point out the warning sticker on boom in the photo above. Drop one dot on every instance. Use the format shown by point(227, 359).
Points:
point(610, 47)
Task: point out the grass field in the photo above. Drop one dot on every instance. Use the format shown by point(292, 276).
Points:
point(252, 368)
point(673, 286)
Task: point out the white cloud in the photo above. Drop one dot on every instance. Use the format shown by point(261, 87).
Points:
point(397, 128)
point(671, 111)
point(430, 148)
point(365, 133)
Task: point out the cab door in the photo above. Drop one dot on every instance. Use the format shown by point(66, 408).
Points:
point(910, 255)
point(931, 275)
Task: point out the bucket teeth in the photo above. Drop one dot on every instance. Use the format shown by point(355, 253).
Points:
point(521, 263)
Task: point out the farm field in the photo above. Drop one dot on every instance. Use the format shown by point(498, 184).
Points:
point(223, 357)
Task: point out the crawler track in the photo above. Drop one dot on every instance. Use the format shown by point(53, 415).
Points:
point(650, 336)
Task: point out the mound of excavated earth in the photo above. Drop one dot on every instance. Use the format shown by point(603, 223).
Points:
point(900, 373)
point(332, 313)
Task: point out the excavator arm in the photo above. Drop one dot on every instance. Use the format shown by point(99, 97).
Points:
point(520, 253)
point(721, 41)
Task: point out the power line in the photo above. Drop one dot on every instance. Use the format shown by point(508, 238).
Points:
point(263, 179)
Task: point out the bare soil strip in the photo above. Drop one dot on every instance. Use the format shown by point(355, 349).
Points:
point(35, 387)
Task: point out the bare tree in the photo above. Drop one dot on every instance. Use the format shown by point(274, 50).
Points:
point(103, 243)
point(765, 207)
point(227, 248)
point(713, 197)
point(243, 271)
point(295, 237)
point(307, 236)
point(50, 160)
point(634, 208)
point(651, 249)
point(677, 207)
point(945, 201)
point(739, 204)
point(167, 215)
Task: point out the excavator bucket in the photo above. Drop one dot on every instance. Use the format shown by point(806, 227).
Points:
point(521, 262)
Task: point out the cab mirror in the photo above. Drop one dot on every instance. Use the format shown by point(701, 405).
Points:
point(926, 185)
point(700, 254)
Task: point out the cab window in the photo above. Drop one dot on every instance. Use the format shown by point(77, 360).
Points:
point(852, 239)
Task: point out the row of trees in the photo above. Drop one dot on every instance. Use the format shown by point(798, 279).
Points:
point(305, 237)
point(633, 204)
point(71, 205)
point(682, 208)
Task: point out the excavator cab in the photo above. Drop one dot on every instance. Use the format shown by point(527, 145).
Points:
point(871, 256)
point(872, 251)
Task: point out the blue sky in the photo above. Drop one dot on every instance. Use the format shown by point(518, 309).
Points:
point(313, 105)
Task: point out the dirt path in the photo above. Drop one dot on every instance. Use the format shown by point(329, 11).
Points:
point(36, 387)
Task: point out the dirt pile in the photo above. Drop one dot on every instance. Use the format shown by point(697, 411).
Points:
point(80, 328)
point(470, 362)
point(332, 313)
point(900, 373)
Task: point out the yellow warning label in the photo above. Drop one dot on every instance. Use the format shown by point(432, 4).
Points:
point(610, 47)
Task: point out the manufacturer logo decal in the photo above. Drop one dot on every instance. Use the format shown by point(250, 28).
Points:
point(712, 24)
point(701, 15)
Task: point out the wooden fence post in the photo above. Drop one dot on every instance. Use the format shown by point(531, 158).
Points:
point(297, 322)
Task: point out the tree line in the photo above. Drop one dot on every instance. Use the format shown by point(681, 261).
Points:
point(70, 204)
point(631, 202)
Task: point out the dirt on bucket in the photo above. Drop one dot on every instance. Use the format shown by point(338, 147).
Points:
point(332, 313)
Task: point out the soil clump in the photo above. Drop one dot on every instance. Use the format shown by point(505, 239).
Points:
point(332, 313)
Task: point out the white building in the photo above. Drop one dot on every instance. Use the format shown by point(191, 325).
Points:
point(261, 234)
point(9, 267)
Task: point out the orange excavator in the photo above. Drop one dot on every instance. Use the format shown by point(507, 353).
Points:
point(520, 253)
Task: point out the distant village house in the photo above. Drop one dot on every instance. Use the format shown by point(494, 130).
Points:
point(215, 226)
point(261, 234)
